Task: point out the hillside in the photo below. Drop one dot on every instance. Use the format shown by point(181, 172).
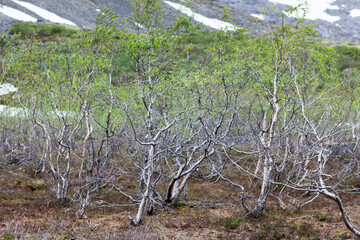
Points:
point(336, 20)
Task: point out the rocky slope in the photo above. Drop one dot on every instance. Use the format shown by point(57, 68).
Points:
point(336, 19)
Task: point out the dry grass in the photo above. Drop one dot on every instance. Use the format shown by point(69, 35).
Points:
point(26, 212)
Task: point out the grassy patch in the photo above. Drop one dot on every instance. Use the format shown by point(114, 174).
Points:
point(348, 57)
point(41, 30)
point(8, 236)
point(231, 223)
point(307, 230)
point(180, 205)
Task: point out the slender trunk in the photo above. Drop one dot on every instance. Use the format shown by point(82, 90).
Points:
point(174, 184)
point(175, 189)
point(265, 187)
point(143, 208)
point(62, 189)
point(146, 201)
point(266, 138)
point(258, 164)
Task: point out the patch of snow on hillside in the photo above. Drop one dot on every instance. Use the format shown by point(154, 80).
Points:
point(210, 22)
point(7, 88)
point(259, 16)
point(316, 8)
point(50, 16)
point(355, 13)
point(12, 111)
point(16, 14)
point(139, 25)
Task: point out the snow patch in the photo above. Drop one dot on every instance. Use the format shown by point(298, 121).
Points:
point(316, 8)
point(259, 16)
point(22, 112)
point(7, 88)
point(50, 16)
point(12, 111)
point(139, 25)
point(16, 14)
point(210, 22)
point(355, 13)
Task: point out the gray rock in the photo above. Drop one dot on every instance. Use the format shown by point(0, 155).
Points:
point(84, 12)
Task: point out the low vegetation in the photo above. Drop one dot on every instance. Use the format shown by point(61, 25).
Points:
point(42, 30)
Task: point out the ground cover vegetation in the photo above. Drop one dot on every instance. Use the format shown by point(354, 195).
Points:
point(170, 131)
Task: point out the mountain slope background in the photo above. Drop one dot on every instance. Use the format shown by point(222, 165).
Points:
point(335, 19)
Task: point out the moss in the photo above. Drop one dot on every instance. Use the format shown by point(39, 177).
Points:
point(179, 205)
point(346, 235)
point(269, 232)
point(307, 230)
point(231, 223)
point(321, 217)
point(8, 236)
